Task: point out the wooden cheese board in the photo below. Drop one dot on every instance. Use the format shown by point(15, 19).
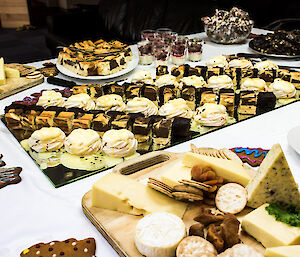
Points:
point(119, 228)
point(15, 85)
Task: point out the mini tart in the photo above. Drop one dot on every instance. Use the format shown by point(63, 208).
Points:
point(176, 108)
point(83, 142)
point(110, 102)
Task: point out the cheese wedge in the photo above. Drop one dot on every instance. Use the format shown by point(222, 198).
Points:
point(229, 170)
point(265, 229)
point(273, 182)
point(283, 251)
point(121, 193)
point(11, 73)
point(2, 73)
point(175, 173)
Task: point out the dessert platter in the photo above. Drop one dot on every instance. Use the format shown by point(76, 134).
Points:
point(66, 131)
point(15, 77)
point(206, 202)
point(97, 60)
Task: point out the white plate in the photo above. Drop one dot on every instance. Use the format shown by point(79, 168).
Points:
point(293, 138)
point(130, 66)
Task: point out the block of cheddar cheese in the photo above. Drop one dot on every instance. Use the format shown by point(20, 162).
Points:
point(175, 173)
point(283, 251)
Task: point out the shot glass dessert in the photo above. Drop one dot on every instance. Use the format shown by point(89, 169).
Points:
point(178, 51)
point(148, 34)
point(145, 52)
point(195, 49)
point(163, 33)
point(161, 54)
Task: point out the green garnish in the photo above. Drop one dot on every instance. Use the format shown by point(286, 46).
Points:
point(289, 215)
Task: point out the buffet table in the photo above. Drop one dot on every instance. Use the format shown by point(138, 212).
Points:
point(33, 211)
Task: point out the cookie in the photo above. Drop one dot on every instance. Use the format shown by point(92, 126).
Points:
point(9, 176)
point(34, 75)
point(240, 250)
point(49, 71)
point(195, 246)
point(231, 198)
point(2, 163)
point(68, 248)
point(252, 156)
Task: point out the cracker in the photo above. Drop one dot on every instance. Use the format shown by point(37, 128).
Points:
point(195, 246)
point(195, 184)
point(240, 250)
point(160, 187)
point(188, 189)
point(231, 155)
point(183, 196)
point(231, 198)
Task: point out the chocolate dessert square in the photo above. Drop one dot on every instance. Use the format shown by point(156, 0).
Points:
point(83, 121)
point(167, 93)
point(64, 121)
point(267, 75)
point(203, 71)
point(150, 92)
point(161, 133)
point(266, 102)
point(207, 96)
point(161, 70)
point(232, 73)
point(188, 93)
point(95, 90)
point(181, 127)
point(80, 89)
point(227, 98)
point(283, 74)
point(194, 71)
point(214, 72)
point(13, 120)
point(247, 105)
point(27, 120)
point(132, 90)
point(114, 88)
point(295, 79)
point(180, 71)
point(45, 119)
point(142, 132)
point(101, 123)
point(121, 122)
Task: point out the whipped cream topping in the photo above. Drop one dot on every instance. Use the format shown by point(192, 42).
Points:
point(141, 105)
point(176, 108)
point(282, 89)
point(166, 79)
point(51, 98)
point(142, 76)
point(211, 115)
point(47, 139)
point(254, 84)
point(218, 61)
point(110, 102)
point(82, 100)
point(119, 143)
point(218, 82)
point(83, 142)
point(265, 65)
point(240, 63)
point(193, 80)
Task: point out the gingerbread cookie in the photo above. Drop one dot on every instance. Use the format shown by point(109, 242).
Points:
point(252, 156)
point(9, 176)
point(49, 71)
point(68, 248)
point(2, 163)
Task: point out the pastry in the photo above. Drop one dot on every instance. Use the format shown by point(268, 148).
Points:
point(190, 95)
point(265, 65)
point(247, 105)
point(67, 248)
point(181, 127)
point(167, 93)
point(9, 176)
point(166, 80)
point(94, 90)
point(240, 63)
point(121, 122)
point(161, 70)
point(176, 108)
point(254, 84)
point(142, 76)
point(119, 143)
point(193, 80)
point(110, 102)
point(218, 61)
point(83, 101)
point(45, 119)
point(266, 102)
point(141, 105)
point(207, 96)
point(282, 89)
point(227, 98)
point(216, 71)
point(114, 88)
point(219, 82)
point(82, 121)
point(252, 156)
point(51, 98)
point(150, 92)
point(132, 90)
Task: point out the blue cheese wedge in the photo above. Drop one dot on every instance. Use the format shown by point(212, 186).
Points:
point(273, 182)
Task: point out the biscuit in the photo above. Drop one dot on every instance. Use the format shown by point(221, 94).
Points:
point(195, 246)
point(231, 198)
point(9, 176)
point(68, 248)
point(240, 250)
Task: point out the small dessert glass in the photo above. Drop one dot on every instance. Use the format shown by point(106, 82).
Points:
point(178, 51)
point(195, 49)
point(147, 34)
point(163, 33)
point(161, 54)
point(145, 52)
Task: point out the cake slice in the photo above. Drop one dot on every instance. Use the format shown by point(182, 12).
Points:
point(64, 121)
point(167, 93)
point(132, 90)
point(227, 98)
point(247, 105)
point(101, 123)
point(114, 88)
point(266, 102)
point(161, 133)
point(13, 120)
point(273, 182)
point(207, 96)
point(189, 93)
point(121, 122)
point(283, 74)
point(45, 119)
point(83, 121)
point(150, 92)
point(141, 129)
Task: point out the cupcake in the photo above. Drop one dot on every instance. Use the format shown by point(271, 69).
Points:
point(240, 63)
point(219, 82)
point(83, 101)
point(284, 91)
point(119, 143)
point(110, 102)
point(142, 76)
point(193, 80)
point(176, 108)
point(265, 65)
point(83, 142)
point(141, 105)
point(51, 98)
point(254, 84)
point(166, 80)
point(218, 61)
point(47, 139)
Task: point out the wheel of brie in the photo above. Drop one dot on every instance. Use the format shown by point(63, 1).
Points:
point(158, 234)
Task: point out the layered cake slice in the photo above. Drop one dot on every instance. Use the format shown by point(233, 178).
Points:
point(114, 88)
point(83, 121)
point(121, 122)
point(195, 71)
point(266, 102)
point(12, 119)
point(161, 133)
point(141, 129)
point(27, 120)
point(214, 72)
point(267, 75)
point(189, 94)
point(101, 123)
point(150, 92)
point(167, 93)
point(227, 98)
point(247, 105)
point(161, 70)
point(132, 90)
point(45, 119)
point(207, 96)
point(283, 74)
point(64, 121)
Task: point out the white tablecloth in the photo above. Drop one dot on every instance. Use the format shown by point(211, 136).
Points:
point(34, 211)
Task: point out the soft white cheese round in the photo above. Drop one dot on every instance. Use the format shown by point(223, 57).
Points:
point(158, 234)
